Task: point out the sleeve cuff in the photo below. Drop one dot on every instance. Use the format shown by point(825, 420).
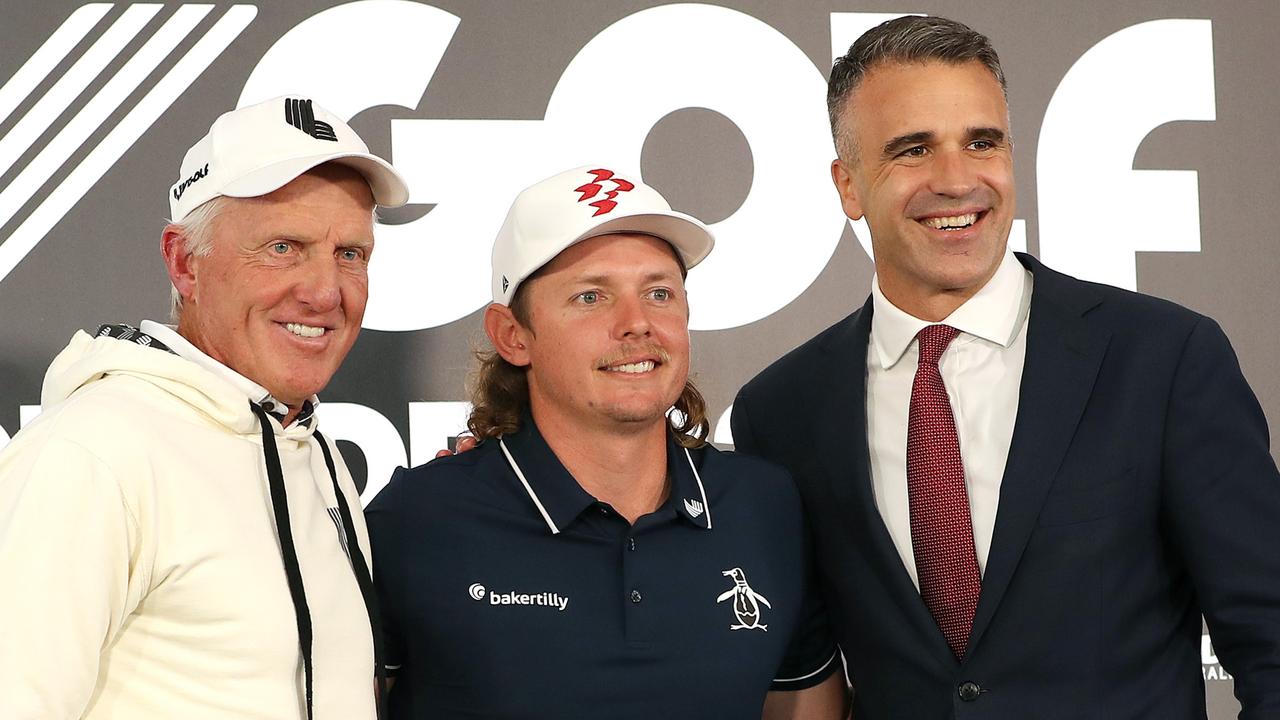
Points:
point(809, 679)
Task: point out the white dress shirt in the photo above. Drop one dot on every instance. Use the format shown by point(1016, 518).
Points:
point(982, 369)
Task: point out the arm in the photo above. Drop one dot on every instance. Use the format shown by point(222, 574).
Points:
point(384, 540)
point(68, 551)
point(828, 700)
point(810, 684)
point(1221, 503)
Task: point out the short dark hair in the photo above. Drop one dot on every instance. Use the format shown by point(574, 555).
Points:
point(907, 39)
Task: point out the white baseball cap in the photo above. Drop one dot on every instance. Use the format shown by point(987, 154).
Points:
point(260, 148)
point(583, 203)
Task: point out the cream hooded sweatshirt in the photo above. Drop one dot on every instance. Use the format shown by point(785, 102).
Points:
point(140, 570)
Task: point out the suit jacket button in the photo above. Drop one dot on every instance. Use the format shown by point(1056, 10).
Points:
point(969, 691)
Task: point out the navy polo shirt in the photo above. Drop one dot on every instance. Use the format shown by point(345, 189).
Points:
point(508, 591)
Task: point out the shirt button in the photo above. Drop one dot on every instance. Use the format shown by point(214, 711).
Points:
point(604, 510)
point(631, 544)
point(635, 596)
point(969, 691)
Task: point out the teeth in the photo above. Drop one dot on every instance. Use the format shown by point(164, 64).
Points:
point(955, 221)
point(304, 330)
point(640, 367)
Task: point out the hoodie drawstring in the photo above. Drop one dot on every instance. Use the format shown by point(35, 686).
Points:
point(280, 504)
point(364, 579)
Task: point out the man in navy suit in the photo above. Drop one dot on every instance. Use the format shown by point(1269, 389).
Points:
point(1025, 489)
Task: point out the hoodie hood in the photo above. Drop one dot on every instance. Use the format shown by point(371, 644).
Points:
point(88, 359)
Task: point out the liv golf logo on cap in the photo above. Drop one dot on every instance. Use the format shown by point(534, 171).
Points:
point(299, 114)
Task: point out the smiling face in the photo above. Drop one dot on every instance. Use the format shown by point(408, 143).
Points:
point(608, 336)
point(933, 176)
point(281, 295)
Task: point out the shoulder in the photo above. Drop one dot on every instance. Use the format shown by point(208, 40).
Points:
point(87, 451)
point(109, 419)
point(747, 480)
point(1145, 334)
point(1131, 311)
point(727, 465)
point(440, 484)
point(795, 369)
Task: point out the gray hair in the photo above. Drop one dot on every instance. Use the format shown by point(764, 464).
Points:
point(908, 39)
point(197, 240)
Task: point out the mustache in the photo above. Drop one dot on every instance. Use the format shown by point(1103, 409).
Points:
point(631, 350)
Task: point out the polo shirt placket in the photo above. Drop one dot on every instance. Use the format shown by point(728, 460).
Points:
point(567, 510)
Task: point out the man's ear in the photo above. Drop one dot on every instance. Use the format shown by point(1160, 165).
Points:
point(178, 261)
point(842, 176)
point(509, 337)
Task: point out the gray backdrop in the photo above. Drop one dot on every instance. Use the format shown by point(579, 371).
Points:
point(1145, 135)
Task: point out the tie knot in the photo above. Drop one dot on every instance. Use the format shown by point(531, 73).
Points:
point(934, 340)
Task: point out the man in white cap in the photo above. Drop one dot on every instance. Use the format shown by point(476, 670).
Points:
point(593, 556)
point(177, 538)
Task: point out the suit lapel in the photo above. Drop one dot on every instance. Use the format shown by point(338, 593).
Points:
point(1062, 361)
point(842, 433)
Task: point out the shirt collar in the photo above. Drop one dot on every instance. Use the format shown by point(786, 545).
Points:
point(687, 491)
point(560, 499)
point(995, 313)
point(183, 348)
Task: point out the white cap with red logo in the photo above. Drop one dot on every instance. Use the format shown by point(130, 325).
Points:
point(257, 149)
point(583, 203)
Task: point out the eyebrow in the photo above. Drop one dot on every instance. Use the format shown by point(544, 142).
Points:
point(606, 279)
point(902, 142)
point(304, 237)
point(993, 134)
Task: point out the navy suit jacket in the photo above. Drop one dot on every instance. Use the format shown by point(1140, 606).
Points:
point(1138, 494)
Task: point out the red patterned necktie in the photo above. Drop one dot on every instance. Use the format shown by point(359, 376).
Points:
point(941, 526)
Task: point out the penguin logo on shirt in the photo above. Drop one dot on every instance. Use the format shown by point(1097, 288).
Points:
point(746, 602)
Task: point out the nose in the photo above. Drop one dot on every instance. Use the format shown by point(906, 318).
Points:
point(631, 319)
point(319, 287)
point(953, 174)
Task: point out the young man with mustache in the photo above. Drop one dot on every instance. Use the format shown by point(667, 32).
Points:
point(594, 557)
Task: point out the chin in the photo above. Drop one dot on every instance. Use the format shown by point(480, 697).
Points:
point(967, 275)
point(638, 416)
point(296, 392)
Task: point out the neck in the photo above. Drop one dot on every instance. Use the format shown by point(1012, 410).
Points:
point(931, 307)
point(929, 304)
point(625, 467)
point(192, 335)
